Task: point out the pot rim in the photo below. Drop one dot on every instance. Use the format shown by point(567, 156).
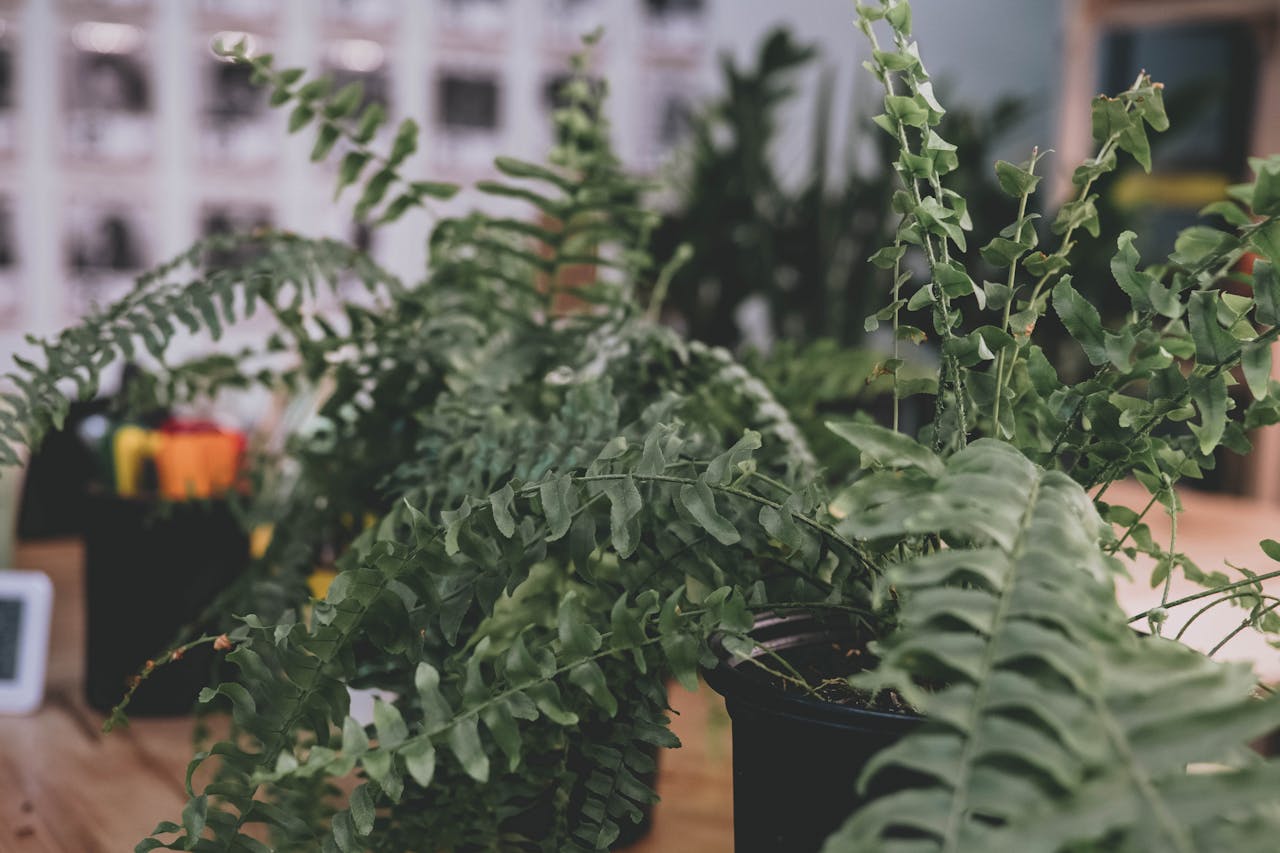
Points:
point(789, 630)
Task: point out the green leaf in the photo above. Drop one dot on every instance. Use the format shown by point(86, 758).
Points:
point(349, 170)
point(1082, 320)
point(1149, 102)
point(1003, 252)
point(375, 191)
point(1078, 214)
point(370, 120)
point(501, 723)
point(624, 505)
point(921, 298)
point(555, 496)
point(577, 637)
point(881, 447)
point(899, 17)
point(1266, 240)
point(1214, 344)
point(1271, 548)
point(501, 501)
point(1210, 396)
point(1193, 245)
point(300, 117)
point(907, 110)
point(354, 739)
point(435, 708)
point(433, 189)
point(1266, 292)
point(1266, 190)
point(389, 724)
point(588, 677)
point(362, 812)
point(405, 143)
point(399, 205)
point(325, 139)
point(1124, 266)
point(1256, 361)
point(344, 833)
point(953, 279)
point(728, 465)
point(546, 696)
point(1229, 211)
point(1108, 118)
point(194, 815)
point(464, 740)
point(379, 764)
point(1015, 180)
point(420, 760)
point(701, 504)
point(346, 101)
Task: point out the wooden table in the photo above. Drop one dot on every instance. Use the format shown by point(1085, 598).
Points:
point(67, 788)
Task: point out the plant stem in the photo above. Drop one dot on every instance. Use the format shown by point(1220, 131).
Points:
point(1134, 525)
point(897, 312)
point(1173, 551)
point(1245, 623)
point(1217, 590)
point(950, 366)
point(1013, 272)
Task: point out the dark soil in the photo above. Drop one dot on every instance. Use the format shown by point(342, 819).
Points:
point(825, 668)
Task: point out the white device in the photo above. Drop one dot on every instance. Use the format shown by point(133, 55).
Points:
point(26, 604)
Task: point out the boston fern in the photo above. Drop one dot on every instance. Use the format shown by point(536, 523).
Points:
point(568, 502)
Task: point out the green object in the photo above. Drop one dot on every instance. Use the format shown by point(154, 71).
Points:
point(568, 504)
point(10, 501)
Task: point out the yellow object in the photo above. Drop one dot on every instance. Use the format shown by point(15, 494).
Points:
point(319, 581)
point(131, 445)
point(1192, 189)
point(260, 540)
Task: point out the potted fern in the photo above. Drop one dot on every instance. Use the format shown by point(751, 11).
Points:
point(564, 524)
point(524, 350)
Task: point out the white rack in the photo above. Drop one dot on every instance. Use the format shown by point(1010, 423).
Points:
point(72, 171)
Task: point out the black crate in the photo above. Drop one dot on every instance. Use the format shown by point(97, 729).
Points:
point(151, 570)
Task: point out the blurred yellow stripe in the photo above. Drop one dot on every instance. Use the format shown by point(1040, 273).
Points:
point(1187, 189)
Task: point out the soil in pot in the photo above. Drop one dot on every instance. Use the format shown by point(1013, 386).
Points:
point(797, 753)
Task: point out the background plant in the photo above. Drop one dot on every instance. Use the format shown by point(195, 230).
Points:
point(435, 394)
point(1055, 726)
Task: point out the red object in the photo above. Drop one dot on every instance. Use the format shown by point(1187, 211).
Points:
point(180, 426)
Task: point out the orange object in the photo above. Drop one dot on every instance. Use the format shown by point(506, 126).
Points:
point(197, 464)
point(319, 581)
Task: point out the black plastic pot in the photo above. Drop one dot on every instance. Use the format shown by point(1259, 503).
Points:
point(148, 574)
point(796, 760)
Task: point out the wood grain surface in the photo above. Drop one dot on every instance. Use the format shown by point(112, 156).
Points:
point(67, 788)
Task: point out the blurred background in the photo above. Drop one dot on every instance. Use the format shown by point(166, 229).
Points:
point(123, 138)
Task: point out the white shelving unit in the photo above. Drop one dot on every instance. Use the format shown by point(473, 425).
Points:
point(122, 139)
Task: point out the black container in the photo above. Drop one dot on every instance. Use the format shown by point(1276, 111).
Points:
point(796, 760)
point(149, 572)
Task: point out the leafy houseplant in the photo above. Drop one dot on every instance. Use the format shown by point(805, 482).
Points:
point(566, 524)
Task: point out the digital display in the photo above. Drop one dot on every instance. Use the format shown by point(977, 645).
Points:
point(10, 633)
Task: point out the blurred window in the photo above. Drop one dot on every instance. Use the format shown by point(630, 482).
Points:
point(468, 102)
point(1209, 71)
point(662, 8)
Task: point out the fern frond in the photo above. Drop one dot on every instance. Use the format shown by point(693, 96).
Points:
point(1054, 725)
point(284, 274)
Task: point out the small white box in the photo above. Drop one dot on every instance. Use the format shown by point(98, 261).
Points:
point(26, 603)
